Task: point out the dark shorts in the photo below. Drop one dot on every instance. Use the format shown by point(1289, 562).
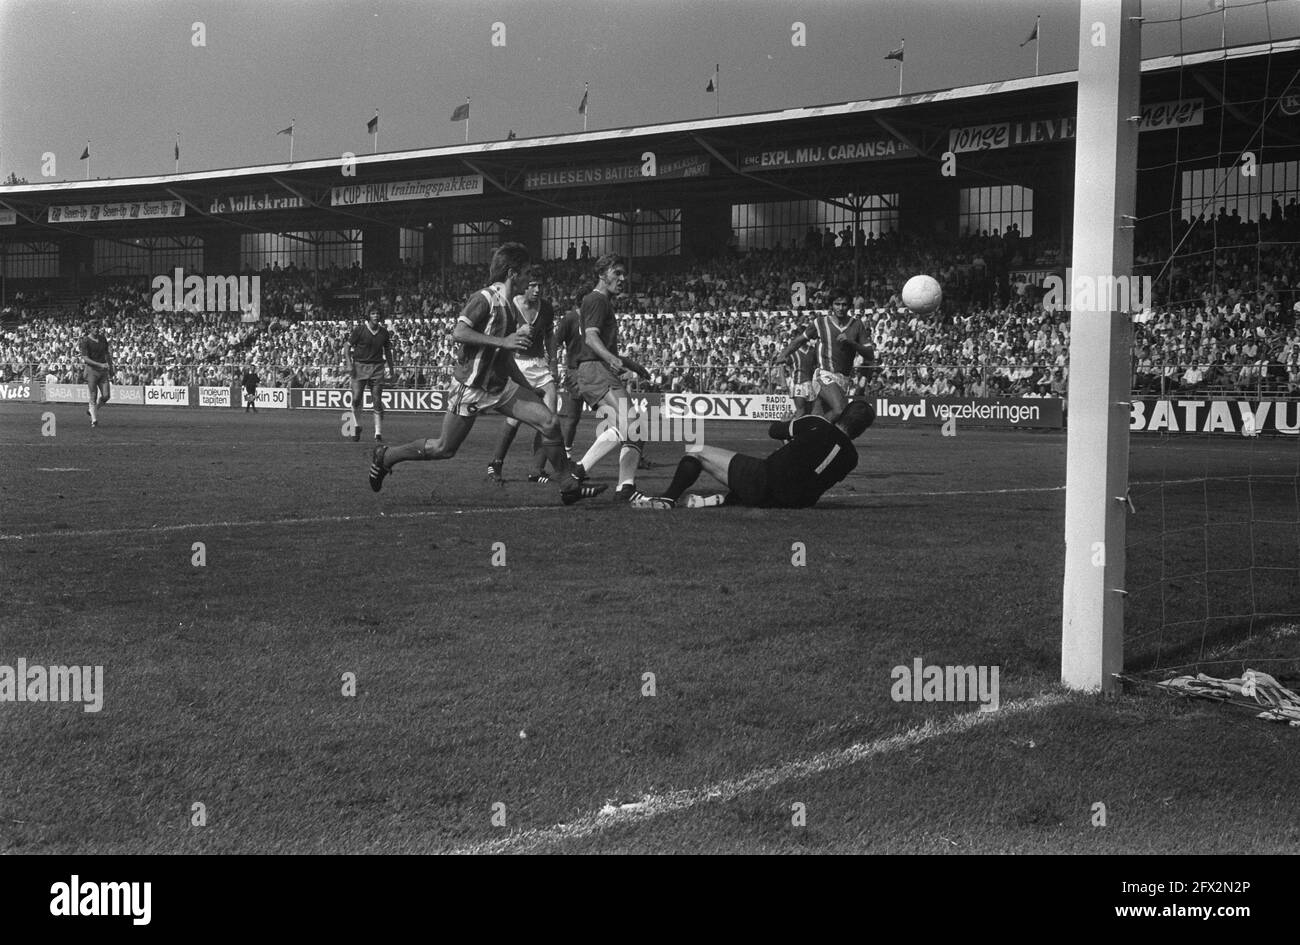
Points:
point(97, 381)
point(747, 479)
point(373, 377)
point(595, 380)
point(570, 400)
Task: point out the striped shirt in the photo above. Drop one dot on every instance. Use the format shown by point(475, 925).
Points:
point(832, 354)
point(488, 312)
point(542, 324)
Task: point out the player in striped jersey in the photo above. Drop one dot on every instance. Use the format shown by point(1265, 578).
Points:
point(817, 454)
point(803, 388)
point(535, 362)
point(487, 377)
point(839, 338)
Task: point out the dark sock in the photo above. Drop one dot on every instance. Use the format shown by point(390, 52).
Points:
point(503, 442)
point(553, 450)
point(688, 470)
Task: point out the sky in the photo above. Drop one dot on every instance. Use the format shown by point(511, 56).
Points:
point(128, 75)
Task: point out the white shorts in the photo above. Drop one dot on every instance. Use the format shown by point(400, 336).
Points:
point(803, 389)
point(470, 401)
point(537, 371)
point(826, 378)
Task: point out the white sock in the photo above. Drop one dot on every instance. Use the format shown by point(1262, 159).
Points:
point(604, 443)
point(627, 462)
point(379, 425)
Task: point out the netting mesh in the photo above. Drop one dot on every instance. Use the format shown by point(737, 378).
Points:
point(1213, 556)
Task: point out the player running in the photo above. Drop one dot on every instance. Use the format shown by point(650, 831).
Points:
point(817, 454)
point(487, 378)
point(370, 351)
point(535, 363)
point(839, 338)
point(600, 379)
point(98, 363)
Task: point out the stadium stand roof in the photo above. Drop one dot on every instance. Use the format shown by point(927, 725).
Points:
point(922, 120)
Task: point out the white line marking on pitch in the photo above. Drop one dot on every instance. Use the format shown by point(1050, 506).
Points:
point(60, 469)
point(762, 779)
point(314, 520)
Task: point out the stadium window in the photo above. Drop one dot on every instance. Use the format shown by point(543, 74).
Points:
point(474, 243)
point(1213, 189)
point(986, 209)
point(310, 250)
point(148, 257)
point(29, 260)
point(411, 246)
point(786, 222)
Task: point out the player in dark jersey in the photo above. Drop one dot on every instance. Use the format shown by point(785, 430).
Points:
point(99, 366)
point(601, 375)
point(840, 337)
point(535, 363)
point(370, 351)
point(568, 345)
point(487, 377)
point(817, 454)
point(249, 382)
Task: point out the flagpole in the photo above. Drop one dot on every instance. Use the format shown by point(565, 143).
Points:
point(717, 90)
point(88, 159)
point(902, 45)
point(586, 104)
point(178, 152)
point(467, 117)
point(375, 148)
point(1038, 42)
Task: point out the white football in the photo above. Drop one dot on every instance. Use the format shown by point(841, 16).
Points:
point(922, 295)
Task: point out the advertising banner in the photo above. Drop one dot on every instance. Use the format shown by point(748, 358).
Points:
point(389, 191)
point(726, 406)
point(1040, 413)
point(67, 394)
point(1239, 417)
point(879, 148)
point(156, 395)
point(251, 203)
point(127, 394)
point(116, 212)
point(274, 398)
point(20, 390)
point(215, 397)
point(420, 401)
point(667, 169)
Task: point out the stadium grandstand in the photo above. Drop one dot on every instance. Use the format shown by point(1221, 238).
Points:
point(720, 218)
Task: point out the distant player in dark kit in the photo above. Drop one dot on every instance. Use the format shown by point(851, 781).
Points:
point(568, 345)
point(535, 362)
point(802, 368)
point(98, 364)
point(487, 377)
point(840, 338)
point(817, 454)
point(601, 374)
point(370, 360)
point(249, 383)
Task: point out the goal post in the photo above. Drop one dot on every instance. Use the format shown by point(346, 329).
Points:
point(1096, 476)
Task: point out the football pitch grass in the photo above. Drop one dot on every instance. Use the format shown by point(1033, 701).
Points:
point(510, 707)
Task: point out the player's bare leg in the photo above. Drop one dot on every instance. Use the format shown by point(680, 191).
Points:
point(454, 430)
point(357, 387)
point(624, 416)
point(713, 460)
point(835, 400)
point(377, 395)
point(551, 398)
point(508, 431)
point(528, 408)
